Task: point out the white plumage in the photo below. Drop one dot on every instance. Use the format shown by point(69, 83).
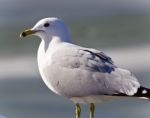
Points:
point(83, 75)
point(70, 71)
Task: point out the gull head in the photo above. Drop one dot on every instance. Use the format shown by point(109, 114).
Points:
point(47, 29)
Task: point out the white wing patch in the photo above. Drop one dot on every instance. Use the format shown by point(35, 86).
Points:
point(144, 91)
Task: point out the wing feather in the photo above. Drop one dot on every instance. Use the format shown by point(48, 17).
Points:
point(94, 72)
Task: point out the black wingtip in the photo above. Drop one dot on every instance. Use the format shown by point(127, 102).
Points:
point(143, 92)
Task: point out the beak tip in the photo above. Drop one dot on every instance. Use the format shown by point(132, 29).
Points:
point(27, 32)
point(23, 34)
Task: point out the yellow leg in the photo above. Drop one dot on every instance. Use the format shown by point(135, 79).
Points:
point(78, 111)
point(92, 109)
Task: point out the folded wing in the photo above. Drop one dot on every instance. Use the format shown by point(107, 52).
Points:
point(104, 77)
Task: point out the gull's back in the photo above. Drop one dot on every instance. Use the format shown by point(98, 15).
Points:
point(69, 69)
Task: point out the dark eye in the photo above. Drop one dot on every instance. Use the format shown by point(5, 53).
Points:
point(46, 25)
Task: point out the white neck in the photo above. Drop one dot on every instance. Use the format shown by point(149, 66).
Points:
point(53, 40)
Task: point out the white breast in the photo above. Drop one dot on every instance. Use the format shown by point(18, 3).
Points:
point(43, 63)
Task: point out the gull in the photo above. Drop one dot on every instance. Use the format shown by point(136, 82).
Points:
point(83, 75)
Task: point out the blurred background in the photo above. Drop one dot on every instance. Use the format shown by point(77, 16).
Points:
point(120, 28)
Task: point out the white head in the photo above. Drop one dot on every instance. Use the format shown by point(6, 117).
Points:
point(49, 29)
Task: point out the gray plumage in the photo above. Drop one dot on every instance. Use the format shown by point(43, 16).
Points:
point(78, 71)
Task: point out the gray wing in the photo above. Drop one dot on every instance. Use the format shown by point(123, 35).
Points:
point(85, 58)
point(105, 63)
point(93, 72)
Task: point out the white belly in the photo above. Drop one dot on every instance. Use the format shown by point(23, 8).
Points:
point(92, 99)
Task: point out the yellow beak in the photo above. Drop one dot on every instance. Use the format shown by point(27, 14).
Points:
point(27, 32)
